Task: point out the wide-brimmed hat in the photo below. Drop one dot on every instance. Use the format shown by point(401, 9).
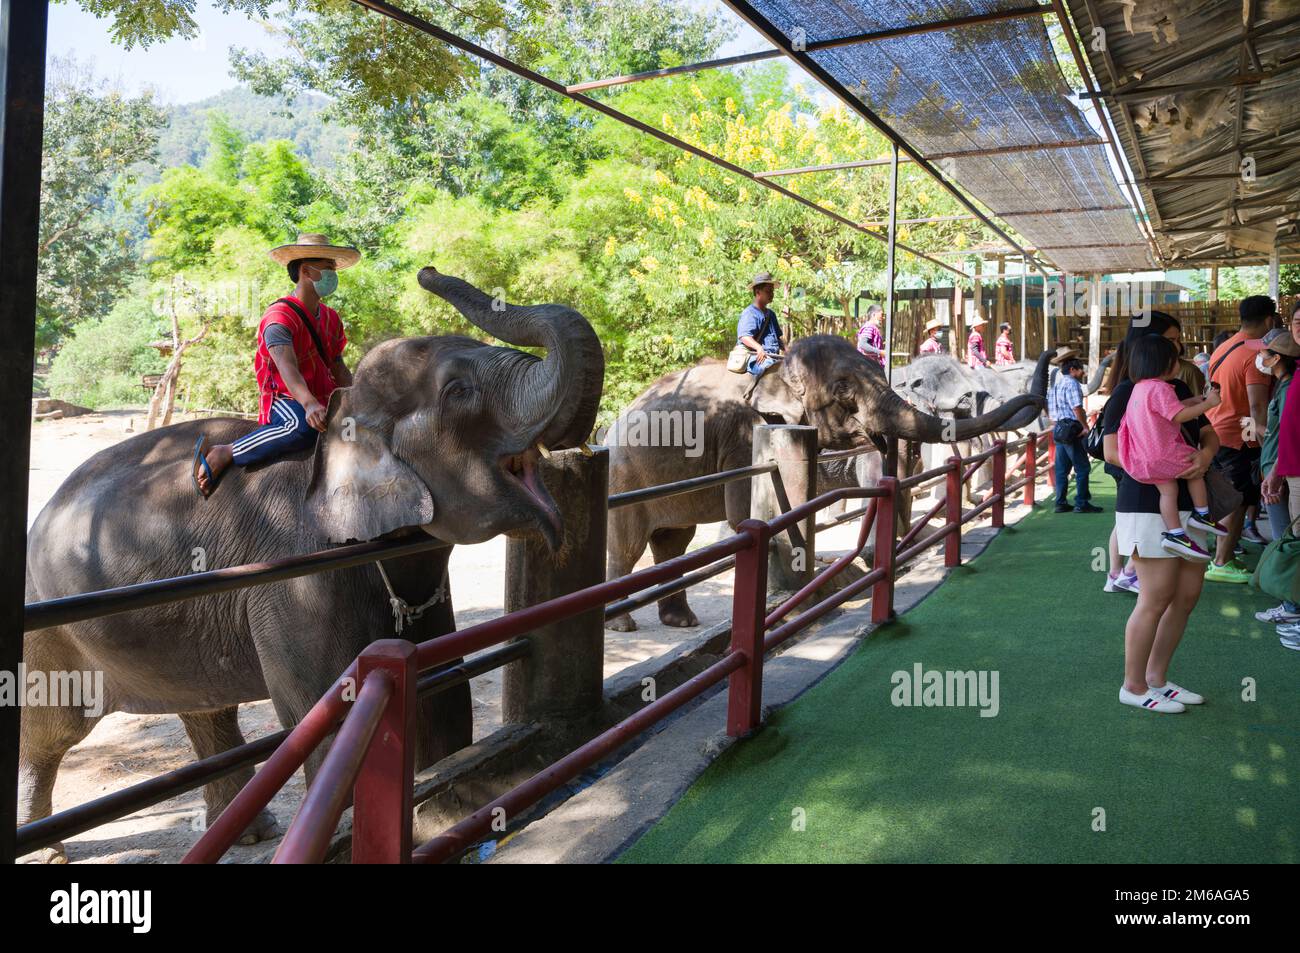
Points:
point(1064, 352)
point(976, 321)
point(310, 245)
point(1280, 341)
point(934, 323)
point(762, 278)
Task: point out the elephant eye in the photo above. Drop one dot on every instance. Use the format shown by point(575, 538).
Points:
point(457, 390)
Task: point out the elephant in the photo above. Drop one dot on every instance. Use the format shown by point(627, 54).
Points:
point(437, 435)
point(822, 381)
point(941, 384)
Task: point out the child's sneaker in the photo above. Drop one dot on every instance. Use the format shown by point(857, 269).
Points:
point(1180, 544)
point(1128, 582)
point(1205, 524)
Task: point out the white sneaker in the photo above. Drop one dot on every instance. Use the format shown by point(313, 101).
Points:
point(1278, 615)
point(1109, 584)
point(1290, 642)
point(1150, 701)
point(1127, 583)
point(1175, 693)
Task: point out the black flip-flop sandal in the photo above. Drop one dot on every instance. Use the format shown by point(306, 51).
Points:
point(201, 460)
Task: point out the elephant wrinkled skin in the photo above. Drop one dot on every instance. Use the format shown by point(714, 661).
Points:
point(823, 381)
point(436, 434)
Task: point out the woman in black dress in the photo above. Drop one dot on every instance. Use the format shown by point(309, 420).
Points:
point(1169, 587)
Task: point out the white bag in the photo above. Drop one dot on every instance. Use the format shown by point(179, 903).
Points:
point(738, 359)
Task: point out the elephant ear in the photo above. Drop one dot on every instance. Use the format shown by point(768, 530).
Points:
point(779, 394)
point(359, 489)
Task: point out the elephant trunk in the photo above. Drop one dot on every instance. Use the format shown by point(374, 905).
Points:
point(553, 400)
point(1100, 376)
point(913, 424)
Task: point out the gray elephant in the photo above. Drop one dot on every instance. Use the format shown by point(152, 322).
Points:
point(436, 435)
point(823, 381)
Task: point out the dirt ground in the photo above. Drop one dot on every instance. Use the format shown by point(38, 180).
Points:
point(124, 749)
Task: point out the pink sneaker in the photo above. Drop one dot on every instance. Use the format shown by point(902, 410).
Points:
point(1206, 525)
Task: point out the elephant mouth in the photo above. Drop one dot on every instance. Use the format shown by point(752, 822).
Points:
point(521, 469)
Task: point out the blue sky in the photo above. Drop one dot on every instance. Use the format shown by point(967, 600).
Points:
point(183, 71)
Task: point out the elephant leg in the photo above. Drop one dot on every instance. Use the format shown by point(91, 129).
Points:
point(668, 544)
point(211, 733)
point(626, 542)
point(444, 719)
point(45, 735)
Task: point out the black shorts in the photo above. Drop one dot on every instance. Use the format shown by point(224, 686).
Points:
point(1241, 467)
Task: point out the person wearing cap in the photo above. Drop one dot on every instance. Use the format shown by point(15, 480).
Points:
point(931, 344)
point(1238, 420)
point(1069, 428)
point(1278, 358)
point(975, 355)
point(1003, 354)
point(758, 328)
point(871, 336)
point(299, 362)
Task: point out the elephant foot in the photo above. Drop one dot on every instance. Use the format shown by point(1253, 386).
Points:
point(621, 623)
point(679, 618)
point(264, 827)
point(54, 854)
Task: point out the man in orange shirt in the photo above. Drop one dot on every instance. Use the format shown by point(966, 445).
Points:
point(1239, 420)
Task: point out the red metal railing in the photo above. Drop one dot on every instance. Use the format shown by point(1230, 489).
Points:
point(372, 756)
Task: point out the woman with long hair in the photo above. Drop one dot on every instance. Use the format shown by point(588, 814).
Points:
point(1169, 587)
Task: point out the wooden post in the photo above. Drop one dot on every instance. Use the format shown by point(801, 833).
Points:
point(748, 610)
point(1094, 324)
point(889, 266)
point(1002, 292)
point(1024, 302)
point(952, 542)
point(1031, 469)
point(793, 448)
point(563, 675)
point(882, 593)
point(1273, 271)
point(1000, 484)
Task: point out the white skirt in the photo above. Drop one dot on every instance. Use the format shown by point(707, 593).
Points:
point(1139, 534)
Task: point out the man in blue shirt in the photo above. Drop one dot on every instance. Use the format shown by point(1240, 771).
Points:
point(1069, 427)
point(758, 328)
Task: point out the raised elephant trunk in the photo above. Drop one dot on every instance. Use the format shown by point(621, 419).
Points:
point(552, 401)
point(913, 424)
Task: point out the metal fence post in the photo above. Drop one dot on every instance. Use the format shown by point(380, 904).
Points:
point(952, 542)
point(1031, 469)
point(563, 676)
point(882, 593)
point(748, 610)
point(793, 448)
point(999, 483)
point(1051, 461)
point(382, 808)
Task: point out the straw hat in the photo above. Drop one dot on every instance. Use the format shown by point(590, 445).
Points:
point(977, 321)
point(310, 245)
point(1064, 352)
point(934, 323)
point(1280, 341)
point(762, 278)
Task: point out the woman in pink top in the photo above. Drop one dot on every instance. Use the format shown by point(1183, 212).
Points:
point(1286, 472)
point(1002, 351)
point(1152, 448)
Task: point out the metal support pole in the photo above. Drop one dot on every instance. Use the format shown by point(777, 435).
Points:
point(889, 266)
point(748, 610)
point(952, 542)
point(882, 593)
point(562, 677)
point(1024, 303)
point(1031, 469)
point(999, 485)
point(1273, 271)
point(22, 112)
point(1094, 324)
point(1051, 463)
point(381, 812)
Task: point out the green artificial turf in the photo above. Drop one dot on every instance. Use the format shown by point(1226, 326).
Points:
point(873, 782)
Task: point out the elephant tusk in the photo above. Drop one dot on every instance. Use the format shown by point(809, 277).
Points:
point(541, 448)
point(586, 450)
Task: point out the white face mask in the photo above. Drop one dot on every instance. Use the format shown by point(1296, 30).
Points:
point(1260, 365)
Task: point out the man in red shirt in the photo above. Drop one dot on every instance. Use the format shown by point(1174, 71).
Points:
point(1239, 421)
point(299, 362)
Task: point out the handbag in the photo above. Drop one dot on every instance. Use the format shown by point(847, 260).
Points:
point(1066, 431)
point(1278, 571)
point(738, 358)
point(1096, 444)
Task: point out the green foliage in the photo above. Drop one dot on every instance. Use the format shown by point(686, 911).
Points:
point(94, 140)
point(101, 364)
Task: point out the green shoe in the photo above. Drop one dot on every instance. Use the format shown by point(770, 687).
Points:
point(1231, 572)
